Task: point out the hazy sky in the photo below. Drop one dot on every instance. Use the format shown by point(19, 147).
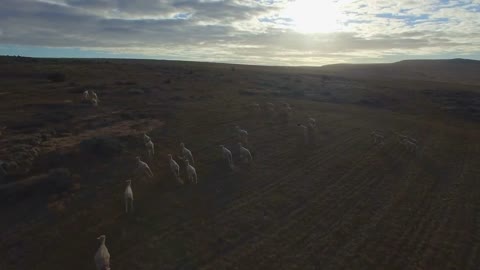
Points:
point(273, 32)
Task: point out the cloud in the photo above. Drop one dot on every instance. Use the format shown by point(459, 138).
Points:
point(248, 31)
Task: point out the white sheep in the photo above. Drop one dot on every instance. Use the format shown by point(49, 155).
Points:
point(191, 172)
point(174, 167)
point(150, 149)
point(269, 108)
point(410, 145)
point(94, 95)
point(311, 121)
point(284, 113)
point(242, 135)
point(93, 98)
point(227, 155)
point(287, 107)
point(245, 154)
point(102, 257)
point(86, 95)
point(186, 154)
point(144, 168)
point(128, 195)
point(406, 137)
point(306, 137)
point(254, 106)
point(377, 137)
point(146, 138)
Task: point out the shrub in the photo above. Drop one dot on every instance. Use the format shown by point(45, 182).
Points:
point(102, 146)
point(135, 91)
point(246, 93)
point(56, 77)
point(60, 178)
point(298, 93)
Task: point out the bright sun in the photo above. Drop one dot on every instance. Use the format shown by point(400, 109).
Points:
point(313, 16)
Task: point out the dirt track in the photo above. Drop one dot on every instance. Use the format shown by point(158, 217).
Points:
point(342, 204)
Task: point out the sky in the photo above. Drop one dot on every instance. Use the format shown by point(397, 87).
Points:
point(260, 32)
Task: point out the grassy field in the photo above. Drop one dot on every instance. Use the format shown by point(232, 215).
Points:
point(343, 203)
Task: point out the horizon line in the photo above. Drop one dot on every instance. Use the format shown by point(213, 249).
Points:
point(237, 64)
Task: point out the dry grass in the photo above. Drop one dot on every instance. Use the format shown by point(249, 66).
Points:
point(344, 203)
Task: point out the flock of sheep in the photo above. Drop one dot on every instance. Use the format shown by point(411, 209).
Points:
point(102, 256)
point(409, 142)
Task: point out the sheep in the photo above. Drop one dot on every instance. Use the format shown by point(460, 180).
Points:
point(150, 149)
point(102, 257)
point(242, 135)
point(227, 155)
point(144, 168)
point(174, 167)
point(270, 108)
point(286, 107)
point(306, 136)
point(191, 172)
point(254, 106)
point(285, 112)
point(412, 139)
point(94, 95)
point(187, 154)
point(377, 137)
point(245, 154)
point(93, 98)
point(410, 145)
point(146, 138)
point(269, 113)
point(128, 196)
point(311, 121)
point(86, 95)
point(406, 137)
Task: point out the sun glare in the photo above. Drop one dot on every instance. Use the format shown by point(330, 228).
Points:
point(313, 16)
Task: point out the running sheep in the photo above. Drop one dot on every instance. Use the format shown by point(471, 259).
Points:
point(409, 145)
point(102, 257)
point(245, 154)
point(86, 95)
point(128, 196)
point(174, 167)
point(242, 135)
point(143, 168)
point(191, 173)
point(186, 153)
point(377, 137)
point(150, 149)
point(227, 155)
point(146, 138)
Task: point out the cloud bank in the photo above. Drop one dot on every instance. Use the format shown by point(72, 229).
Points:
point(246, 31)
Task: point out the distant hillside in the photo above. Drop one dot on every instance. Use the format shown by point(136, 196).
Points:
point(456, 70)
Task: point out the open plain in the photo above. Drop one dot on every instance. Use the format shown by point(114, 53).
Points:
point(342, 203)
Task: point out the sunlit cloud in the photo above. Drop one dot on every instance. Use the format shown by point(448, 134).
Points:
point(274, 32)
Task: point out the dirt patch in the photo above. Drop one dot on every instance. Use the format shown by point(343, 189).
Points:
point(118, 129)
